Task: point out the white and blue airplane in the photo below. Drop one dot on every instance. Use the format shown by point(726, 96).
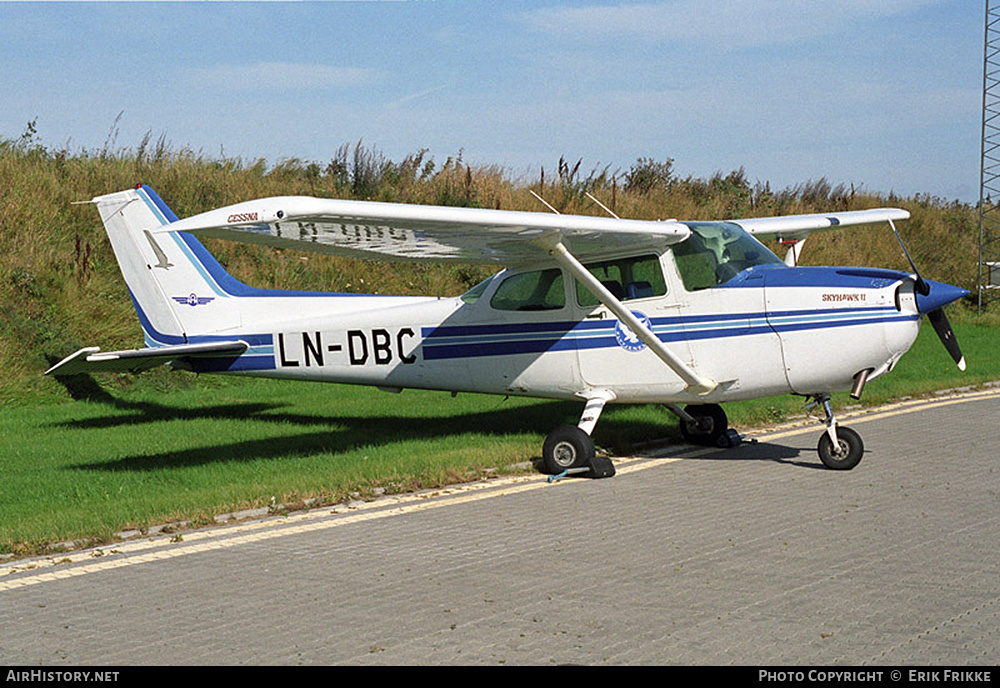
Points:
point(595, 309)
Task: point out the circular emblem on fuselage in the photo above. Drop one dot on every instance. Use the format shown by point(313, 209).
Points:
point(626, 337)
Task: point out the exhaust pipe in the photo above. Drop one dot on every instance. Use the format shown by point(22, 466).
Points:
point(860, 379)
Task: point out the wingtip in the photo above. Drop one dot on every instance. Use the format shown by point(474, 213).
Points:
point(70, 364)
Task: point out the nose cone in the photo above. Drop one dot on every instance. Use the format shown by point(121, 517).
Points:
point(939, 295)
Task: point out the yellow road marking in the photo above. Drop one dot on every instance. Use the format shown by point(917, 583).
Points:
point(195, 542)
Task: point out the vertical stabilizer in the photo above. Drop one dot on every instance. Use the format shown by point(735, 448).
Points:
point(175, 295)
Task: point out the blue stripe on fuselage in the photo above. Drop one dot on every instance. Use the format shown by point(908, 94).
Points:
point(259, 355)
point(454, 341)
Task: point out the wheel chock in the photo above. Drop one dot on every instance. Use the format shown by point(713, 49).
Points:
point(730, 439)
point(569, 471)
point(600, 467)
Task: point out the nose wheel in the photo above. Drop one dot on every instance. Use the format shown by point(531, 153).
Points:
point(839, 448)
point(845, 454)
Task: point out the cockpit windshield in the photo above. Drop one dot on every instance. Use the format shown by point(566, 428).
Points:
point(716, 252)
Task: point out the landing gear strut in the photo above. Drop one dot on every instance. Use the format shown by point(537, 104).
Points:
point(840, 448)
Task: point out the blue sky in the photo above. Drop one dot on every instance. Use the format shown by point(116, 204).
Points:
point(882, 94)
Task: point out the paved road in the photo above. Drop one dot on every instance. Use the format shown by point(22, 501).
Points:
point(755, 555)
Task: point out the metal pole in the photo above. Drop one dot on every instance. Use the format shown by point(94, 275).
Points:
point(982, 163)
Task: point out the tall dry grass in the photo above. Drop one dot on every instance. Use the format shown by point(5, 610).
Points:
point(60, 287)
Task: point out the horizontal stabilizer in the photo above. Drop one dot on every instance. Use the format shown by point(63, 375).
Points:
point(92, 360)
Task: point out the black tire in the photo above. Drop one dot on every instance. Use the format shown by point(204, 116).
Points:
point(567, 447)
point(709, 427)
point(847, 455)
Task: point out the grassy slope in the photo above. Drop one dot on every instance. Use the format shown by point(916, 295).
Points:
point(60, 288)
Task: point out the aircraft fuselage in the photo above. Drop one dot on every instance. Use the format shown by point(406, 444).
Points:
point(772, 330)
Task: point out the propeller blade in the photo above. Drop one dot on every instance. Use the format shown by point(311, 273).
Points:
point(933, 306)
point(947, 336)
point(921, 286)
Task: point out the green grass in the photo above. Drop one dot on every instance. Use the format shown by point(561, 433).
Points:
point(88, 469)
point(91, 468)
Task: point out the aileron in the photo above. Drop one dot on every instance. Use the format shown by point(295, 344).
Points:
point(798, 226)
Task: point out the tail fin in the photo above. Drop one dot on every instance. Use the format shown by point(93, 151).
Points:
point(177, 287)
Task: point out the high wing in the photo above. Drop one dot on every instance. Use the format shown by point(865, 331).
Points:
point(799, 226)
point(792, 230)
point(394, 231)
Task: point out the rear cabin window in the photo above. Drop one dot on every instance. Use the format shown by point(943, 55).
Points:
point(541, 290)
point(626, 278)
point(472, 296)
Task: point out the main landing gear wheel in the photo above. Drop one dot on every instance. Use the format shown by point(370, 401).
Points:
point(567, 447)
point(846, 455)
point(710, 426)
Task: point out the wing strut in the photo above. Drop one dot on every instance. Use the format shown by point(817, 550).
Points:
point(696, 383)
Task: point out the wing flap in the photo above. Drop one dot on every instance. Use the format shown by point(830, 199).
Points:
point(397, 231)
point(93, 360)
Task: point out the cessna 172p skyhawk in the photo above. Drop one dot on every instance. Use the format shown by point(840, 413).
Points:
point(596, 309)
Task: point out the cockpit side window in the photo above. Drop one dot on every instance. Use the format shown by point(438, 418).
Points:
point(716, 252)
point(541, 290)
point(472, 296)
point(637, 277)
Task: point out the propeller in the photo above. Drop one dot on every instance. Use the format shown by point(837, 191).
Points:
point(932, 297)
point(947, 336)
